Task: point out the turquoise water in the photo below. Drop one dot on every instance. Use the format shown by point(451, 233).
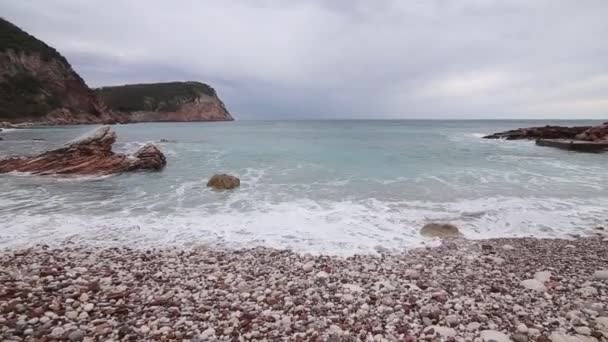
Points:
point(336, 187)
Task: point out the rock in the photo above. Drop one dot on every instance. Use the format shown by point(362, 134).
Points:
point(587, 291)
point(444, 332)
point(556, 337)
point(322, 275)
point(452, 320)
point(602, 321)
point(441, 230)
point(508, 247)
point(601, 275)
point(89, 307)
point(546, 132)
point(76, 335)
point(224, 182)
point(519, 338)
point(533, 284)
point(583, 330)
point(494, 336)
point(89, 154)
point(596, 133)
point(522, 328)
point(473, 326)
point(308, 267)
point(57, 332)
point(542, 276)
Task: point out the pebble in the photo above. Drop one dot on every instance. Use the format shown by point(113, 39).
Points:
point(601, 275)
point(493, 336)
point(533, 284)
point(449, 292)
point(308, 267)
point(76, 335)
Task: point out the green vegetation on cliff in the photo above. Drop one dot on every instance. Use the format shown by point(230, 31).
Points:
point(14, 38)
point(163, 97)
point(22, 93)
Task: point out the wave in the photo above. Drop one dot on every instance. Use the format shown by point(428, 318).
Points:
point(305, 225)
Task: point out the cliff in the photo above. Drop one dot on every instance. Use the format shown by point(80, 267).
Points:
point(37, 84)
point(172, 101)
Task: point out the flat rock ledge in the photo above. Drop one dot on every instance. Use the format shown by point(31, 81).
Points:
point(463, 290)
point(90, 154)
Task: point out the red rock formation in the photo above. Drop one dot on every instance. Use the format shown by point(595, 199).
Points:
point(89, 154)
point(596, 133)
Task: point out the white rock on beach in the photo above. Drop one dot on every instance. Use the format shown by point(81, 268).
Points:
point(533, 284)
point(601, 275)
point(494, 336)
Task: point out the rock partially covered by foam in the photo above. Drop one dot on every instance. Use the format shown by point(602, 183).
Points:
point(224, 182)
point(440, 230)
point(87, 155)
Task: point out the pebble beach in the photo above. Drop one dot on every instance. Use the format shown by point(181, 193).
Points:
point(522, 289)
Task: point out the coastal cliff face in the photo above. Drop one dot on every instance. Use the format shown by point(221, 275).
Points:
point(172, 101)
point(37, 84)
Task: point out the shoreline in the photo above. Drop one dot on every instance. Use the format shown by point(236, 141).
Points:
point(523, 289)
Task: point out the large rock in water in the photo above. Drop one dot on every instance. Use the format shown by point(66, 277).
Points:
point(546, 132)
point(224, 182)
point(441, 230)
point(86, 155)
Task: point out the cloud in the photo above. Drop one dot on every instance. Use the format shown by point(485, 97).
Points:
point(338, 58)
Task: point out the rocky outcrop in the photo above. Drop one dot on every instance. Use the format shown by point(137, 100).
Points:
point(546, 132)
point(86, 155)
point(441, 230)
point(165, 102)
point(224, 182)
point(596, 133)
point(37, 84)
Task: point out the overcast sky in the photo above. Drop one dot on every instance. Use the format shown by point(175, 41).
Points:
point(341, 58)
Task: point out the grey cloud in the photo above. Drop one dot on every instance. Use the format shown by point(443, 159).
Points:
point(360, 59)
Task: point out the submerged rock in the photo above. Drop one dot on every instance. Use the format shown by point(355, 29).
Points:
point(224, 182)
point(86, 155)
point(441, 230)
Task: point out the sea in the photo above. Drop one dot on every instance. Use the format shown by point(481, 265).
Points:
point(322, 187)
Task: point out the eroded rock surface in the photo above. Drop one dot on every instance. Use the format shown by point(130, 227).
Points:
point(89, 154)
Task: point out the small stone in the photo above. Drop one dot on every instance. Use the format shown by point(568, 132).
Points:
point(583, 330)
point(83, 297)
point(89, 307)
point(493, 336)
point(208, 333)
point(308, 267)
point(533, 284)
point(542, 276)
point(508, 247)
point(588, 291)
point(519, 338)
point(473, 326)
point(76, 335)
point(83, 315)
point(601, 275)
point(144, 329)
point(57, 332)
point(322, 275)
point(452, 320)
point(522, 328)
point(442, 331)
point(71, 314)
